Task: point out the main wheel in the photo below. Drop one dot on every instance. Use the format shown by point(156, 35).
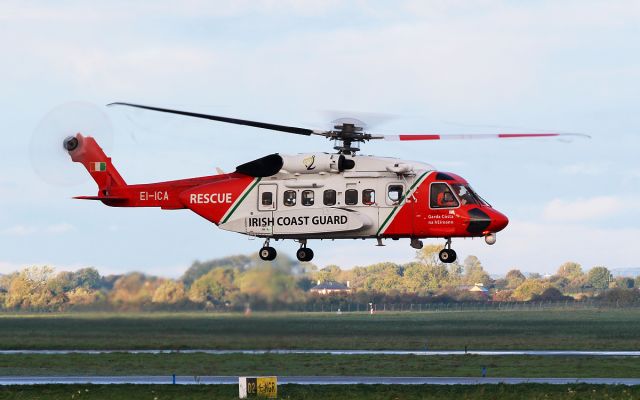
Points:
point(304, 254)
point(447, 256)
point(267, 253)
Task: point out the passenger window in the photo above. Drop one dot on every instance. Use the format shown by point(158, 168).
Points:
point(289, 198)
point(368, 196)
point(442, 196)
point(329, 197)
point(395, 193)
point(267, 198)
point(351, 197)
point(307, 198)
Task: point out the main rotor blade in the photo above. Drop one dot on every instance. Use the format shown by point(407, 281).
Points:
point(255, 124)
point(477, 136)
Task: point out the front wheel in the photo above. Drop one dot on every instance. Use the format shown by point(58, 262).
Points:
point(267, 253)
point(447, 256)
point(304, 254)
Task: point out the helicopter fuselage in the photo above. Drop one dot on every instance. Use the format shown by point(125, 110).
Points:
point(311, 196)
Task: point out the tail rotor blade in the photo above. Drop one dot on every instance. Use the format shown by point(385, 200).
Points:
point(48, 157)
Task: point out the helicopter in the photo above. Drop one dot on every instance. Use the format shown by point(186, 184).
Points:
point(302, 197)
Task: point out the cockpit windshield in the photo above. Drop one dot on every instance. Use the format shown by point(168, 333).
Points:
point(467, 195)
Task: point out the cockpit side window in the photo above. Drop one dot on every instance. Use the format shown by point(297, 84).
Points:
point(441, 196)
point(465, 194)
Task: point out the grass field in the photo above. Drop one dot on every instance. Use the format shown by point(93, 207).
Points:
point(299, 364)
point(488, 330)
point(328, 392)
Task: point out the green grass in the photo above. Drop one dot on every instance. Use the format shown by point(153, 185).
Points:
point(302, 364)
point(574, 330)
point(328, 392)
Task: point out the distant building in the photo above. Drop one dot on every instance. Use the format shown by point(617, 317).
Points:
point(330, 287)
point(479, 288)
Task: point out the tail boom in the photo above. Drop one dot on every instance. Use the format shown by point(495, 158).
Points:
point(115, 192)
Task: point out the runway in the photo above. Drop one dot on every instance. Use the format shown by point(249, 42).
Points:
point(572, 353)
point(304, 380)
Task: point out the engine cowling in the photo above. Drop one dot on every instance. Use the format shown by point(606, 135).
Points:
point(315, 163)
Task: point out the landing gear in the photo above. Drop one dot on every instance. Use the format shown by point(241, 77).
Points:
point(416, 243)
point(267, 253)
point(447, 255)
point(304, 253)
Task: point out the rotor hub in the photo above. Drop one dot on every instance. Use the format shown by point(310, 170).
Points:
point(347, 132)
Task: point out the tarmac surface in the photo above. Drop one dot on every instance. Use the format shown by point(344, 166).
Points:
point(303, 380)
point(347, 352)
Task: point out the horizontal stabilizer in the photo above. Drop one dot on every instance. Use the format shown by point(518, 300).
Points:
point(110, 198)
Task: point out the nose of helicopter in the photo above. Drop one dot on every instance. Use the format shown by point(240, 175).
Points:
point(498, 221)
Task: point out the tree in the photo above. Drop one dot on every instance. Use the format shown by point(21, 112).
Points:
point(134, 288)
point(514, 278)
point(63, 282)
point(216, 286)
point(599, 277)
point(242, 263)
point(88, 278)
point(550, 294)
point(503, 295)
point(570, 270)
point(197, 269)
point(269, 284)
point(83, 297)
point(330, 273)
point(529, 288)
point(474, 273)
point(169, 292)
point(429, 254)
point(621, 297)
point(29, 289)
point(558, 281)
point(420, 277)
point(380, 277)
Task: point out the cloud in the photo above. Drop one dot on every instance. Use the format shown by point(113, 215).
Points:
point(591, 169)
point(59, 228)
point(584, 209)
point(120, 10)
point(27, 230)
point(19, 230)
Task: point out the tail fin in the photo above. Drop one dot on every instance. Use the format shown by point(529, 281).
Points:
point(85, 150)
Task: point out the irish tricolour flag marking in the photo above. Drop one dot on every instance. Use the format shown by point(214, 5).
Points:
point(97, 166)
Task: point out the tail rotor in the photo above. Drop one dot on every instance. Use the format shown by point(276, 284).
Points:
point(55, 136)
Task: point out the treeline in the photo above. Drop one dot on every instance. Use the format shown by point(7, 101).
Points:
point(245, 282)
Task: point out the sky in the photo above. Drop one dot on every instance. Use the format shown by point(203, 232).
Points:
point(418, 66)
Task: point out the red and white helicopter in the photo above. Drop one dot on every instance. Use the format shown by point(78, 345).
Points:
point(339, 195)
